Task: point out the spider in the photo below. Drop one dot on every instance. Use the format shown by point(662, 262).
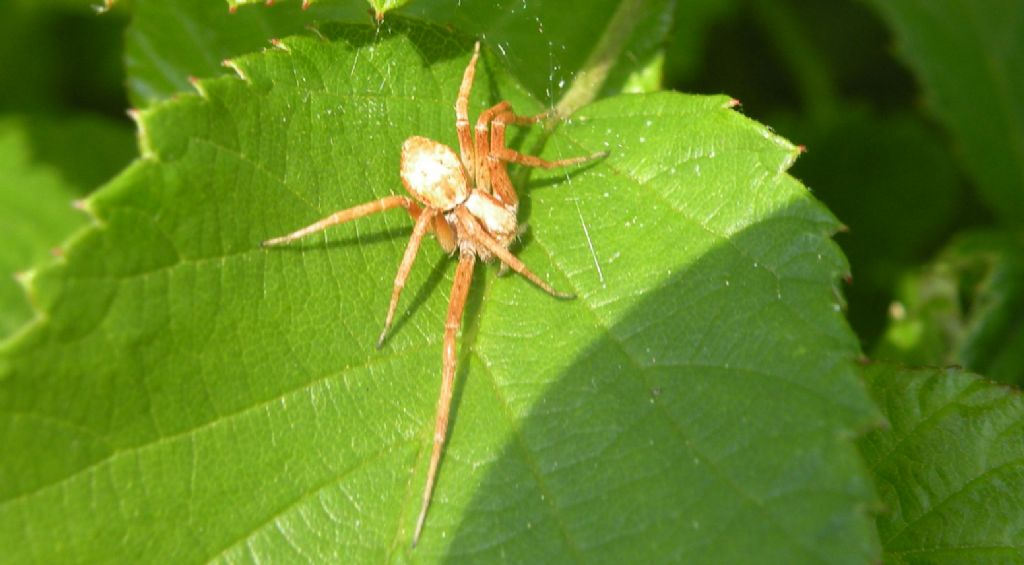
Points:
point(468, 202)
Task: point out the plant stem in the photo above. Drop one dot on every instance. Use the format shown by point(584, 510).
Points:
point(589, 80)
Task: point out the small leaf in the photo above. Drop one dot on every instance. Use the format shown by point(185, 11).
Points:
point(967, 56)
point(950, 469)
point(193, 397)
point(964, 309)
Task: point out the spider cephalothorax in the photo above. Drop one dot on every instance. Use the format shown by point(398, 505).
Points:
point(467, 200)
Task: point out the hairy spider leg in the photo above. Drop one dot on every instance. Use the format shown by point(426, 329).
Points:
point(482, 173)
point(462, 114)
point(472, 229)
point(500, 183)
point(350, 214)
point(423, 224)
point(501, 153)
point(444, 234)
point(456, 306)
point(484, 167)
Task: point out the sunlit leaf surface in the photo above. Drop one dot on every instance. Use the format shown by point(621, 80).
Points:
point(189, 396)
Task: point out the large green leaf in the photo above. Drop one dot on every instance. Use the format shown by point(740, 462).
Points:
point(950, 468)
point(36, 214)
point(189, 396)
point(969, 56)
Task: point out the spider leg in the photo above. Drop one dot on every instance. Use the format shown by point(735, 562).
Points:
point(350, 214)
point(456, 306)
point(484, 169)
point(480, 168)
point(445, 235)
point(423, 223)
point(462, 113)
point(513, 156)
point(499, 152)
point(478, 235)
point(503, 269)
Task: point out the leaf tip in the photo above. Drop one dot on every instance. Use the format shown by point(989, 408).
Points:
point(306, 3)
point(733, 103)
point(197, 85)
point(145, 148)
point(269, 3)
point(84, 205)
point(278, 44)
point(232, 8)
point(24, 279)
point(231, 64)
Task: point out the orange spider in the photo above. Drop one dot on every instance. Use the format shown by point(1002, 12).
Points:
point(470, 205)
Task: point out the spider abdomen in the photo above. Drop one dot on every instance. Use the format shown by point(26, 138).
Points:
point(432, 172)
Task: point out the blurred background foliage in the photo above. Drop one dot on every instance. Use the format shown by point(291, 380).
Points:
point(894, 146)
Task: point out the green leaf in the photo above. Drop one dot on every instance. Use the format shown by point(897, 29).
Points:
point(191, 396)
point(967, 55)
point(169, 42)
point(381, 7)
point(36, 213)
point(544, 42)
point(964, 309)
point(949, 467)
